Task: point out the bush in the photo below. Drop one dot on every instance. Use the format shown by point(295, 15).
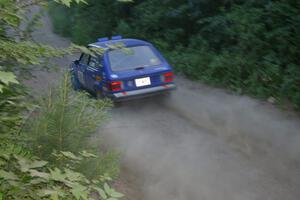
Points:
point(30, 178)
point(65, 121)
point(22, 174)
point(251, 47)
point(61, 24)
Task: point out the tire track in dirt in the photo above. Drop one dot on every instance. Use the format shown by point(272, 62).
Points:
point(175, 158)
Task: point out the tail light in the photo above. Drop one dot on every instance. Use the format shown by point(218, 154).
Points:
point(168, 77)
point(115, 86)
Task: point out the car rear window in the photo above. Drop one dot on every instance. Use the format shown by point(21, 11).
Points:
point(132, 58)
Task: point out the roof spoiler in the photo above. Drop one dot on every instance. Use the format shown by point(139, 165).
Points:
point(104, 39)
point(116, 37)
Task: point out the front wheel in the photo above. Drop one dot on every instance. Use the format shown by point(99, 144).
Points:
point(75, 83)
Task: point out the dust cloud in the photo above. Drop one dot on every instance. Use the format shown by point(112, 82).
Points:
point(202, 143)
point(206, 144)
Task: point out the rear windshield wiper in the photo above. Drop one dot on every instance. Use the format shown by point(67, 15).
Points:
point(139, 68)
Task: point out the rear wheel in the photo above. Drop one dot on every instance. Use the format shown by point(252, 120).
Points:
point(98, 93)
point(164, 98)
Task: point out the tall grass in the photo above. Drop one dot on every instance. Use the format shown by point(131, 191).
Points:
point(64, 121)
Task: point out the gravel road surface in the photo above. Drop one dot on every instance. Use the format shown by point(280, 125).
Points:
point(202, 143)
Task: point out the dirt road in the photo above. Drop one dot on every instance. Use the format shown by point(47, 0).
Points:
point(201, 144)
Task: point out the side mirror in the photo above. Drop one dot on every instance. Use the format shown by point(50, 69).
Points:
point(76, 62)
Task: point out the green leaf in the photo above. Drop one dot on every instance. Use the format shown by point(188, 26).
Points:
point(107, 188)
point(68, 2)
point(4, 155)
point(87, 154)
point(38, 181)
point(8, 77)
point(70, 155)
point(2, 163)
point(54, 196)
point(101, 192)
point(38, 164)
point(53, 193)
point(26, 165)
point(111, 192)
point(14, 183)
point(8, 175)
point(116, 194)
point(57, 175)
point(73, 176)
point(36, 173)
point(79, 191)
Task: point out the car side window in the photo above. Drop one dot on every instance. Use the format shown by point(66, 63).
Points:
point(94, 62)
point(84, 59)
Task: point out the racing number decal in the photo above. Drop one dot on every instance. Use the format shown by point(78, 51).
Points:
point(80, 77)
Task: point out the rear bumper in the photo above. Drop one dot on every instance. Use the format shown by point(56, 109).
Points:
point(120, 96)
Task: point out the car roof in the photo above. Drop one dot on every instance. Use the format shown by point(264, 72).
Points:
point(127, 42)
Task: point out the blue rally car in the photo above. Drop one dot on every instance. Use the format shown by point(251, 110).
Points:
point(135, 70)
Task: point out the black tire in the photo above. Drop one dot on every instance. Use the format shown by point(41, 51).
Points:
point(75, 83)
point(98, 94)
point(164, 98)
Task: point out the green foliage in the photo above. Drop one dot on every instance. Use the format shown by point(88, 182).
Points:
point(250, 47)
point(6, 78)
point(81, 24)
point(65, 121)
point(18, 55)
point(12, 105)
point(66, 175)
point(29, 178)
point(258, 55)
point(68, 2)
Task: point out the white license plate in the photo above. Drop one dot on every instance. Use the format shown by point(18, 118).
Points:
point(142, 81)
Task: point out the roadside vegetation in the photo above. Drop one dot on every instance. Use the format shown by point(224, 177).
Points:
point(249, 46)
point(45, 148)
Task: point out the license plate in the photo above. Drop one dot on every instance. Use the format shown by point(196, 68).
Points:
point(142, 81)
